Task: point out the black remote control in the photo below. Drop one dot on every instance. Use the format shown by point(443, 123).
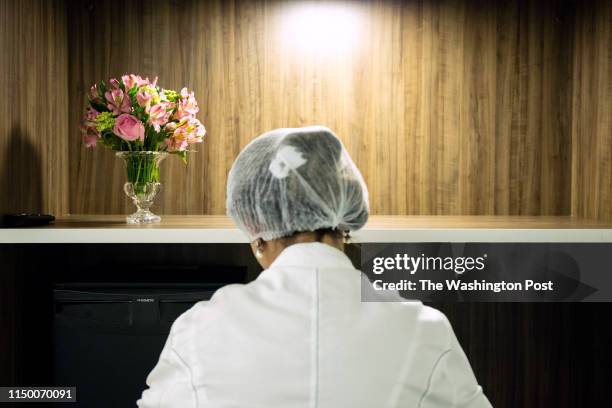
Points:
point(27, 220)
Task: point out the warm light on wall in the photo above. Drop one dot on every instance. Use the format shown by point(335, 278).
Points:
point(322, 28)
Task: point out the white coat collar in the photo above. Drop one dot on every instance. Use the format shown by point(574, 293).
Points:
point(312, 254)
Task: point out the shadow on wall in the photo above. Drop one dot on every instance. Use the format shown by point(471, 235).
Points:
point(20, 175)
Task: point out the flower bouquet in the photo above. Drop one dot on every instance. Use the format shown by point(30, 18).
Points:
point(143, 123)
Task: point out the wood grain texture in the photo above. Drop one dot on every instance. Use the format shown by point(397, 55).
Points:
point(33, 108)
point(377, 222)
point(592, 112)
point(447, 107)
point(536, 354)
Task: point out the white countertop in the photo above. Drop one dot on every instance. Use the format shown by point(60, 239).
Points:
point(106, 229)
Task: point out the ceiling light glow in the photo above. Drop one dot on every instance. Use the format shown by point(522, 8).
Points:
point(322, 28)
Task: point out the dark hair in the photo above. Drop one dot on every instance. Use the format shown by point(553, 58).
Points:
point(319, 234)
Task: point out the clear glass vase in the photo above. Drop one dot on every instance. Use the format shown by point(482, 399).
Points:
point(142, 183)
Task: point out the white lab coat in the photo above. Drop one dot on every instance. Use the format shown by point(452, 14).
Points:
point(300, 337)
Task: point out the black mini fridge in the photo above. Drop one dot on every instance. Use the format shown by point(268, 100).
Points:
point(107, 337)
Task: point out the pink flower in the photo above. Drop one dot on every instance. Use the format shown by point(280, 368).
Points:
point(196, 131)
point(88, 128)
point(171, 127)
point(178, 141)
point(160, 114)
point(114, 83)
point(130, 80)
point(90, 136)
point(186, 132)
point(187, 105)
point(94, 95)
point(129, 128)
point(90, 116)
point(118, 101)
point(144, 99)
point(93, 92)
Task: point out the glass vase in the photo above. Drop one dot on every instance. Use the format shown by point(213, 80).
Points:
point(142, 183)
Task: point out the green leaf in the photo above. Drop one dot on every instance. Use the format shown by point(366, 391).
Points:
point(183, 156)
point(151, 138)
point(132, 92)
point(98, 106)
point(102, 89)
point(112, 141)
point(138, 110)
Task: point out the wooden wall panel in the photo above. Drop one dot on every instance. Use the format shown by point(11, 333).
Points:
point(592, 112)
point(33, 107)
point(523, 354)
point(448, 107)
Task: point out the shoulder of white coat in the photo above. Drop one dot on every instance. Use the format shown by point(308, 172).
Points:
point(433, 323)
point(202, 314)
point(430, 314)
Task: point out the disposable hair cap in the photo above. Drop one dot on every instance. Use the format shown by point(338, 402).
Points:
point(293, 180)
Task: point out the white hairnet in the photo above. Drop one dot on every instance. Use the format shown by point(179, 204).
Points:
point(295, 179)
